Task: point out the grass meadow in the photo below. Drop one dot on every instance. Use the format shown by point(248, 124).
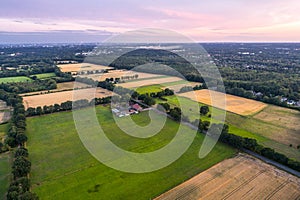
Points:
point(63, 169)
point(149, 89)
point(5, 173)
point(14, 79)
point(45, 75)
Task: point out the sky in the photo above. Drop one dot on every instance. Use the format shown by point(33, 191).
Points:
point(95, 20)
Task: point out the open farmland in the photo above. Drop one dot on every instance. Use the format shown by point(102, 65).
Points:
point(125, 75)
point(235, 104)
point(63, 169)
point(14, 79)
point(177, 87)
point(60, 97)
point(45, 75)
point(74, 68)
point(279, 115)
point(242, 177)
point(147, 82)
point(5, 112)
point(149, 89)
point(70, 85)
point(279, 125)
point(277, 134)
point(5, 171)
point(60, 87)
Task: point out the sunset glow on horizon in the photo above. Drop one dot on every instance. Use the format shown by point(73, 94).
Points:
point(211, 21)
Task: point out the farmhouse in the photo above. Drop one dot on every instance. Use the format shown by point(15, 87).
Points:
point(136, 107)
point(122, 112)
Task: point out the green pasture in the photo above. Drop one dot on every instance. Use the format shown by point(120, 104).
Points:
point(63, 169)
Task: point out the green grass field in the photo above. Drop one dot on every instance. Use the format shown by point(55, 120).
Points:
point(3, 130)
point(149, 89)
point(5, 171)
point(63, 169)
point(45, 75)
point(14, 79)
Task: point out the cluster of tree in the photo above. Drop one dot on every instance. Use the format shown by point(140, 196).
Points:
point(68, 105)
point(33, 86)
point(175, 113)
point(135, 76)
point(150, 97)
point(17, 125)
point(252, 145)
point(106, 85)
point(202, 125)
point(25, 71)
point(190, 88)
point(265, 96)
point(150, 101)
point(204, 110)
point(42, 55)
point(19, 188)
point(3, 147)
point(86, 80)
point(62, 76)
point(165, 92)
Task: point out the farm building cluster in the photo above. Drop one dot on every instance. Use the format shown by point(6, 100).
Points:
point(122, 111)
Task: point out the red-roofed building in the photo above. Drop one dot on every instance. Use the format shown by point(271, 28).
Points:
point(137, 107)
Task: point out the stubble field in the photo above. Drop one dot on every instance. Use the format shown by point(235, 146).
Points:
point(81, 67)
point(242, 177)
point(235, 104)
point(60, 97)
point(148, 82)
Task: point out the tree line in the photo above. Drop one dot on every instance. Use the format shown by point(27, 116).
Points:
point(20, 186)
point(231, 139)
point(65, 106)
point(30, 86)
point(240, 142)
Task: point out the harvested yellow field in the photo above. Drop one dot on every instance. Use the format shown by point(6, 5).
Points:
point(153, 81)
point(278, 115)
point(124, 74)
point(60, 97)
point(60, 87)
point(81, 67)
point(70, 85)
point(5, 112)
point(242, 177)
point(235, 104)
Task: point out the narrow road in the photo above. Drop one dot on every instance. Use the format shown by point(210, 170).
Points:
point(271, 162)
